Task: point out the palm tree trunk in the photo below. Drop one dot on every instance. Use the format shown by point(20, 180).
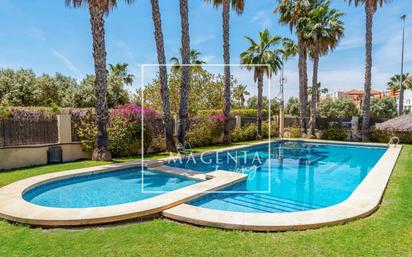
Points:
point(401, 96)
point(164, 90)
point(368, 73)
point(101, 151)
point(314, 111)
point(303, 86)
point(184, 86)
point(226, 58)
point(260, 105)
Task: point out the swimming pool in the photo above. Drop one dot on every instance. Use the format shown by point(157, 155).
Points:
point(284, 185)
point(105, 189)
point(287, 176)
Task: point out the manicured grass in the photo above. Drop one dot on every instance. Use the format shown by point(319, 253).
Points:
point(388, 232)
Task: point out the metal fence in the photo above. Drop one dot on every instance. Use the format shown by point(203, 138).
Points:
point(27, 132)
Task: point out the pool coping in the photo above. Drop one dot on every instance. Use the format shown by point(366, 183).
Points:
point(14, 208)
point(364, 200)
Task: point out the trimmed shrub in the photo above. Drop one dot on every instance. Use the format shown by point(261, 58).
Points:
point(125, 137)
point(246, 133)
point(205, 130)
point(234, 112)
point(334, 133)
point(86, 130)
point(124, 130)
point(265, 129)
point(293, 132)
point(340, 108)
point(383, 136)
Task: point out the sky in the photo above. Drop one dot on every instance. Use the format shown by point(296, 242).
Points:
point(48, 37)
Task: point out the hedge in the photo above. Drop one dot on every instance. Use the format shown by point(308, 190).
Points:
point(234, 112)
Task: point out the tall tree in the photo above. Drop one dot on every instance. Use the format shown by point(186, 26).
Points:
point(292, 13)
point(238, 6)
point(239, 93)
point(97, 9)
point(371, 7)
point(164, 89)
point(264, 57)
point(185, 87)
point(319, 89)
point(289, 49)
point(194, 60)
point(394, 83)
point(323, 29)
point(120, 70)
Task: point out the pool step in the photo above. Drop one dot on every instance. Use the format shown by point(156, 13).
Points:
point(181, 172)
point(152, 163)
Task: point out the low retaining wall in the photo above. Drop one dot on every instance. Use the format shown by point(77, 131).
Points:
point(25, 156)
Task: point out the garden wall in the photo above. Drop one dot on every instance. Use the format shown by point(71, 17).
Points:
point(25, 143)
point(26, 156)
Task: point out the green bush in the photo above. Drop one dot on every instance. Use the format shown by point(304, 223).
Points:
point(380, 136)
point(294, 132)
point(4, 111)
point(124, 134)
point(234, 112)
point(205, 130)
point(265, 129)
point(292, 106)
point(383, 136)
point(86, 130)
point(125, 137)
point(334, 134)
point(245, 133)
point(383, 108)
point(339, 108)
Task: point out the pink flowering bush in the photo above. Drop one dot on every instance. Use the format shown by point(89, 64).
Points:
point(218, 116)
point(125, 130)
point(134, 112)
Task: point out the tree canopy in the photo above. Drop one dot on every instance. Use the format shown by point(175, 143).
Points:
point(206, 91)
point(24, 88)
point(339, 108)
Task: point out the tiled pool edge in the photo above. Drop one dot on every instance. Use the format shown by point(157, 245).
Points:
point(14, 208)
point(362, 202)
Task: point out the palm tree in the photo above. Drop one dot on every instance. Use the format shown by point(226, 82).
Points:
point(238, 6)
point(120, 70)
point(371, 7)
point(97, 11)
point(320, 90)
point(263, 57)
point(292, 13)
point(289, 49)
point(239, 93)
point(184, 86)
point(394, 83)
point(323, 29)
point(164, 89)
point(194, 60)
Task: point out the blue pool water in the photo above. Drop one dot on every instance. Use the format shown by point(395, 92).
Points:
point(109, 188)
point(292, 176)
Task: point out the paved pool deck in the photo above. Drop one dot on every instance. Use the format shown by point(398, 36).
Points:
point(363, 201)
point(14, 208)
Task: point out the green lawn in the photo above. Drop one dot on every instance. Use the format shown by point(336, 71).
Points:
point(388, 232)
